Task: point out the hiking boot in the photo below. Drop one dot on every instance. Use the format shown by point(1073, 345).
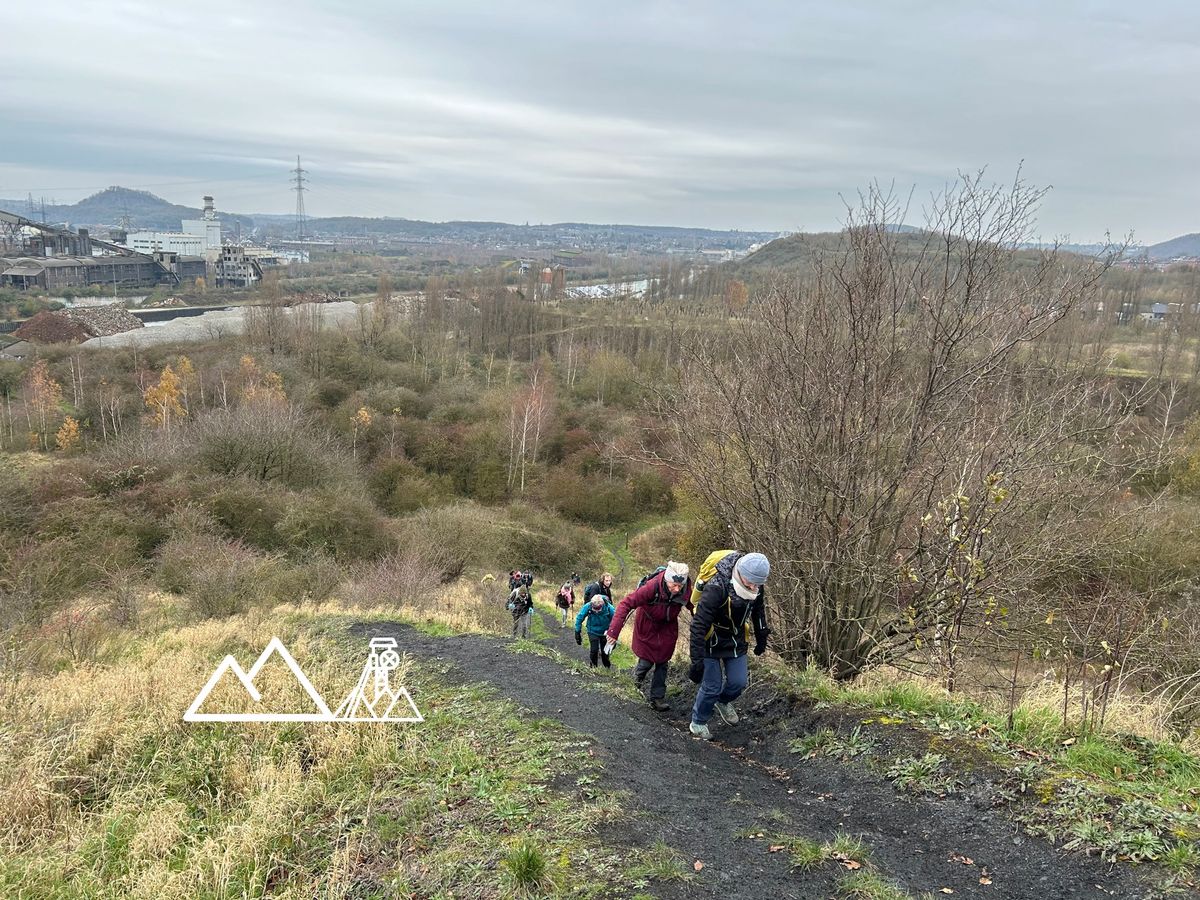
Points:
point(659, 705)
point(701, 731)
point(728, 713)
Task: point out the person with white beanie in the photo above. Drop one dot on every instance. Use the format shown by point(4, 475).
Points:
point(730, 603)
point(655, 628)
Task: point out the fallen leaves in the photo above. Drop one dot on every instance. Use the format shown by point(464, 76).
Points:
point(775, 848)
point(697, 865)
point(846, 861)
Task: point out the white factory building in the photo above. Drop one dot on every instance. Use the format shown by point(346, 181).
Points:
point(196, 237)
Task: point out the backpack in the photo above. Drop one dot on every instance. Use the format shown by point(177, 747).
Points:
point(650, 575)
point(565, 596)
point(708, 569)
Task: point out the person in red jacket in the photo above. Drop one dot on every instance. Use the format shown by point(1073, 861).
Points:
point(656, 626)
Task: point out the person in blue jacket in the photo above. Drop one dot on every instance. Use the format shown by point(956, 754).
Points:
point(598, 613)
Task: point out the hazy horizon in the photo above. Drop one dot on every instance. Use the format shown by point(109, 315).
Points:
point(759, 119)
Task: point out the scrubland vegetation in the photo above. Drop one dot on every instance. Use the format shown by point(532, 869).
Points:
point(958, 476)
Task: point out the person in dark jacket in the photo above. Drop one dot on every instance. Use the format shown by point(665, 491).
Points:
point(731, 602)
point(602, 585)
point(655, 627)
point(564, 601)
point(520, 603)
point(598, 614)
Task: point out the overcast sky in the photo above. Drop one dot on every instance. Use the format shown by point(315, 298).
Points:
point(755, 115)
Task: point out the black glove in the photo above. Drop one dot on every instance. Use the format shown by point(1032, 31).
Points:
point(696, 671)
point(579, 638)
point(760, 642)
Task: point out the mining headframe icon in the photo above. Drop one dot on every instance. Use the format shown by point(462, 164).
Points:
point(374, 697)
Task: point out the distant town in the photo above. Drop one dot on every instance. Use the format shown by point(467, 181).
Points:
point(123, 238)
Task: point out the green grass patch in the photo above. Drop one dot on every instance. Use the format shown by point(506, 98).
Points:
point(618, 558)
point(867, 885)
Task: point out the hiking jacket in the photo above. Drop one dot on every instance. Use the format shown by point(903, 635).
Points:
point(656, 625)
point(722, 621)
point(569, 600)
point(596, 588)
point(597, 622)
point(522, 605)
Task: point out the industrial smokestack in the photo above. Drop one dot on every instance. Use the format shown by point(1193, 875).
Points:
point(208, 208)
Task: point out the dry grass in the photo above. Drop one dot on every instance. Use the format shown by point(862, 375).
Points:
point(110, 794)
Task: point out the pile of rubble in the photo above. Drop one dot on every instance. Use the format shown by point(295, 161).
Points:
point(52, 328)
point(70, 326)
point(101, 321)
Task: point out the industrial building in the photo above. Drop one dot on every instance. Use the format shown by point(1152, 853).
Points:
point(44, 256)
point(238, 268)
point(196, 237)
point(135, 270)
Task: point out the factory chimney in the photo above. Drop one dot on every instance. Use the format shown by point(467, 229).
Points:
point(208, 208)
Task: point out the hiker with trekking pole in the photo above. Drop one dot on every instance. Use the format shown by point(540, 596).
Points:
point(564, 601)
point(520, 604)
point(658, 599)
point(729, 601)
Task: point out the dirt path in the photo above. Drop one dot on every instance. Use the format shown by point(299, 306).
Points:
point(699, 797)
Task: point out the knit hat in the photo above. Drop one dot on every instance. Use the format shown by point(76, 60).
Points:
point(675, 572)
point(753, 568)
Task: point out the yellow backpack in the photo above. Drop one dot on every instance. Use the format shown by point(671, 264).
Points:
point(708, 569)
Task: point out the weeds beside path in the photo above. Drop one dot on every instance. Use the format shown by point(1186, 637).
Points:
point(745, 825)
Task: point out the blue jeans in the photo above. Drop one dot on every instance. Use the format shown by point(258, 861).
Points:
point(717, 689)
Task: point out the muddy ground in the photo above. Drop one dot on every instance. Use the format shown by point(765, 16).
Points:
point(703, 798)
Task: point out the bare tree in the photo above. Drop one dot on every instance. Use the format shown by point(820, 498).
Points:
point(882, 427)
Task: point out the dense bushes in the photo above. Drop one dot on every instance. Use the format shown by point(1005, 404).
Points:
point(602, 502)
point(270, 442)
point(519, 536)
point(218, 578)
point(398, 486)
point(345, 527)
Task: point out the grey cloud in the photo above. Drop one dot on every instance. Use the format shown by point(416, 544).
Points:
point(689, 113)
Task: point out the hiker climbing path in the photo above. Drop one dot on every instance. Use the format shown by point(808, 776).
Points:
point(705, 800)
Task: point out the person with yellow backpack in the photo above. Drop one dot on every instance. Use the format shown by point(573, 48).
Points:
point(729, 600)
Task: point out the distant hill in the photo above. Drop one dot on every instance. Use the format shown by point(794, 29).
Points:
point(1184, 245)
point(148, 211)
point(798, 251)
point(105, 209)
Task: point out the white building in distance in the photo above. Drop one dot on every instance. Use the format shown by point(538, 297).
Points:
point(196, 237)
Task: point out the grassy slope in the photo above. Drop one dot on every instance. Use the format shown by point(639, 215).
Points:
point(1116, 795)
point(112, 795)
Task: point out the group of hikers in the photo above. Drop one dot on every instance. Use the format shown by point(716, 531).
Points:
point(727, 603)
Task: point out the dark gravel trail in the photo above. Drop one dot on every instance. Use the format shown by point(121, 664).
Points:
point(698, 797)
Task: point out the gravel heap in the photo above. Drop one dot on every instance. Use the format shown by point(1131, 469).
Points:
point(102, 321)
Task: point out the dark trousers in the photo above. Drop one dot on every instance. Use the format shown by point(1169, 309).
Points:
point(658, 684)
point(597, 649)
